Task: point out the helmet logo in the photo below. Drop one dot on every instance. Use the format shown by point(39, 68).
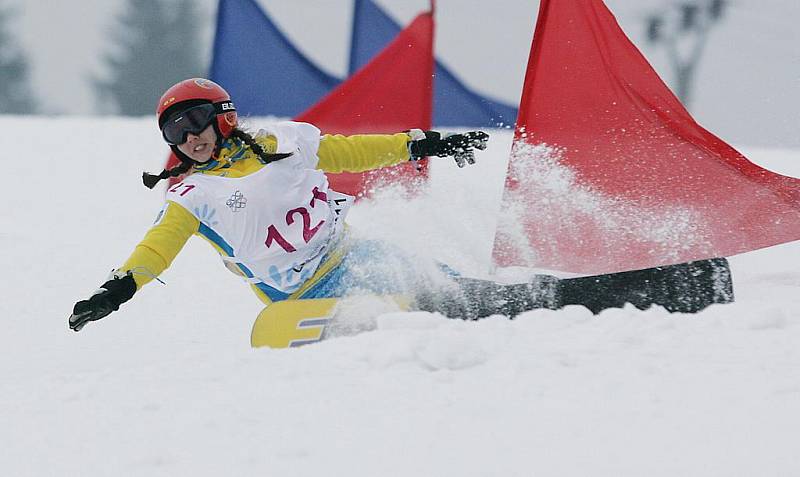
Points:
point(204, 83)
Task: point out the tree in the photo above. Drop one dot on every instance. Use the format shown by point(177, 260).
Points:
point(15, 94)
point(157, 44)
point(685, 27)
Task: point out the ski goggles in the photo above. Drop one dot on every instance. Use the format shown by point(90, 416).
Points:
point(192, 120)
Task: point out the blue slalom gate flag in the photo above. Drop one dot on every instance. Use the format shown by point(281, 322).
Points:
point(259, 66)
point(453, 103)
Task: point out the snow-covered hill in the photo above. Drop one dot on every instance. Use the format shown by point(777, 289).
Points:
point(169, 385)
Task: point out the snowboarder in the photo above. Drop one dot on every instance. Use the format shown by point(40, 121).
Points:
point(263, 202)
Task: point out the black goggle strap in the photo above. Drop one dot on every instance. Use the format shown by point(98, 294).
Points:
point(219, 108)
point(224, 107)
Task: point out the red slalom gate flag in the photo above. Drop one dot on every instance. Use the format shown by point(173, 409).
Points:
point(392, 93)
point(608, 170)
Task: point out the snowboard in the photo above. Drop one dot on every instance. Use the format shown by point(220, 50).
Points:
point(292, 323)
point(683, 288)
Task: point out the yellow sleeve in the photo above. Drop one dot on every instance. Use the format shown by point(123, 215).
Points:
point(361, 152)
point(161, 244)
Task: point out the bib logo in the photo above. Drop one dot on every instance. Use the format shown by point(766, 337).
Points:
point(237, 201)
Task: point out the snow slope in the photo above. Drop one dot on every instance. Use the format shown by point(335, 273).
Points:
point(169, 386)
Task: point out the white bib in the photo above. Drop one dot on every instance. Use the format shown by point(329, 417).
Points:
point(275, 225)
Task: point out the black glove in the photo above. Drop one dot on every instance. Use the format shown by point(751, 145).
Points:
point(106, 299)
point(459, 145)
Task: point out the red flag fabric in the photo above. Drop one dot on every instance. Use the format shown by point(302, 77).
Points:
point(391, 93)
point(609, 172)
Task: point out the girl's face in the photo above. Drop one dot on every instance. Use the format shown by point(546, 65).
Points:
point(200, 147)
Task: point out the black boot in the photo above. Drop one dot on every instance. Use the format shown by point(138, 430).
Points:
point(686, 288)
point(472, 299)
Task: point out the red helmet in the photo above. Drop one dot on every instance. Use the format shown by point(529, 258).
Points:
point(194, 91)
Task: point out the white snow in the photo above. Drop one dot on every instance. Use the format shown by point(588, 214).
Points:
point(169, 385)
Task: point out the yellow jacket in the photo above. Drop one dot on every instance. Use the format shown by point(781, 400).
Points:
point(162, 243)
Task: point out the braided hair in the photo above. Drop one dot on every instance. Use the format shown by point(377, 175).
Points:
point(150, 180)
point(250, 141)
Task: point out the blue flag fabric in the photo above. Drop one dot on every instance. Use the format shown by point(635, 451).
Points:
point(453, 103)
point(261, 69)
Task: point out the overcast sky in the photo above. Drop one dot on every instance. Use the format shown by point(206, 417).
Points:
point(747, 89)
